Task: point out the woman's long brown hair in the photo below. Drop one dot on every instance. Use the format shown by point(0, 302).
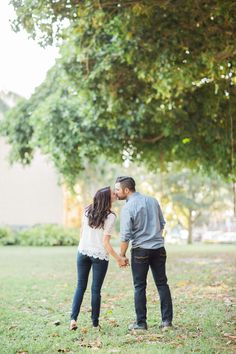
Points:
point(98, 211)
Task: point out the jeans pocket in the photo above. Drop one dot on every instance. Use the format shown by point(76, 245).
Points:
point(140, 259)
point(140, 256)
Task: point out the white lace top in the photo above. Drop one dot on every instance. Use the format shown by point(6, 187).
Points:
point(91, 240)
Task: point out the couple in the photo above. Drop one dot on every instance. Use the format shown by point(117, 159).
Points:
point(141, 224)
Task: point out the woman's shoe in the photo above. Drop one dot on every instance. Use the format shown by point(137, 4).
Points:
point(73, 325)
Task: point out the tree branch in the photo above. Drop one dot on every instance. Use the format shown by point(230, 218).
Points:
point(152, 140)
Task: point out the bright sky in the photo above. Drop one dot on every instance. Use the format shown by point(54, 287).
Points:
point(23, 63)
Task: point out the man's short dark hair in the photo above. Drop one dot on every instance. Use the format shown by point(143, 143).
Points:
point(126, 182)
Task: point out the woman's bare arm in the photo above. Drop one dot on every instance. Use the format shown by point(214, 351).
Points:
point(122, 261)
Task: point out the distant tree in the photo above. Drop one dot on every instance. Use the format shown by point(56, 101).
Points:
point(195, 198)
point(191, 200)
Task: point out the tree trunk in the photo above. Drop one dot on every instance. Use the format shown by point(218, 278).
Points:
point(190, 228)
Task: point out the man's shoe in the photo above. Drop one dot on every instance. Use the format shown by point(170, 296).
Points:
point(137, 327)
point(96, 328)
point(165, 325)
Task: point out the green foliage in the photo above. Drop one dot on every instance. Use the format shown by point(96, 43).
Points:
point(40, 235)
point(144, 80)
point(48, 235)
point(19, 133)
point(7, 237)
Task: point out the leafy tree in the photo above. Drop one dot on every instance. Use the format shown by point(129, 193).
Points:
point(151, 81)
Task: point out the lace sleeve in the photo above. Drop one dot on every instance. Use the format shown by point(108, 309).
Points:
point(109, 224)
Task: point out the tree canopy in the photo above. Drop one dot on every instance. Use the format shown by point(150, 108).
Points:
point(152, 81)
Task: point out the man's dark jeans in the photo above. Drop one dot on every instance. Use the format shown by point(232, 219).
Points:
point(99, 267)
point(141, 259)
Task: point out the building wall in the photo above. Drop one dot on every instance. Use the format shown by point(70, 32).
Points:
point(31, 194)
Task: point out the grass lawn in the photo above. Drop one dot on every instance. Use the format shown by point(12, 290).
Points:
point(37, 285)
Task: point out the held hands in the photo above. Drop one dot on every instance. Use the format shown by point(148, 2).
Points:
point(123, 262)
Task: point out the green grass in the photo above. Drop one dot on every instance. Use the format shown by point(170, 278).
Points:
point(37, 285)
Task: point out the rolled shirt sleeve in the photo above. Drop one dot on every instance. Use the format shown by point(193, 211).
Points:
point(125, 225)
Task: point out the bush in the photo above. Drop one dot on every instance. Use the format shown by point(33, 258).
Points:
point(48, 235)
point(8, 237)
point(40, 235)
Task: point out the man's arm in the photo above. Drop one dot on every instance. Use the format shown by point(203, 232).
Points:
point(126, 231)
point(123, 248)
point(125, 225)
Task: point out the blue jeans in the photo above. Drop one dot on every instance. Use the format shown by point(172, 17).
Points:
point(141, 259)
point(84, 264)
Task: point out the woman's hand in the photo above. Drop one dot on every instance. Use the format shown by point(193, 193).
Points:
point(123, 261)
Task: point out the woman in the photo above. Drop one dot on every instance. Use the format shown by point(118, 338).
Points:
point(93, 252)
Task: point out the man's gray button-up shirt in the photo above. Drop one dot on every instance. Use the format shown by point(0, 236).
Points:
point(142, 222)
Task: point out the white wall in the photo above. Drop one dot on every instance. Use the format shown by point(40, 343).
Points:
point(29, 195)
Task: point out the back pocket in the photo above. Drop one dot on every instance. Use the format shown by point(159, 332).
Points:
point(141, 256)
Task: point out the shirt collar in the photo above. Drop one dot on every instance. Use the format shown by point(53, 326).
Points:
point(135, 194)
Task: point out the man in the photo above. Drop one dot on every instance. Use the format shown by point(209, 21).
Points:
point(142, 224)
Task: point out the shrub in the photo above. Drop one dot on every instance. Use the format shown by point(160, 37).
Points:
point(8, 237)
point(48, 235)
point(40, 235)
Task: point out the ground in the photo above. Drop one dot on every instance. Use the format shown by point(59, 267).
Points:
point(37, 285)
